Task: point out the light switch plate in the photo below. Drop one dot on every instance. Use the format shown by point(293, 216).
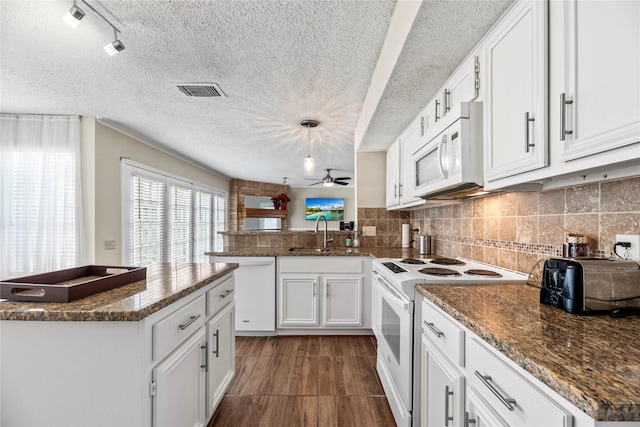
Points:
point(369, 230)
point(109, 245)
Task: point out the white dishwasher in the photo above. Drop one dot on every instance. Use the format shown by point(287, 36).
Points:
point(255, 294)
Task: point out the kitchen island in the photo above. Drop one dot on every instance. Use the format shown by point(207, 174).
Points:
point(138, 355)
point(591, 361)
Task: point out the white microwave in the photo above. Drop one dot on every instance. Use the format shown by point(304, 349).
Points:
point(449, 165)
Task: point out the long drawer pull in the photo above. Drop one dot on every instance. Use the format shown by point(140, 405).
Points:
point(506, 401)
point(435, 330)
point(447, 393)
point(226, 293)
point(191, 320)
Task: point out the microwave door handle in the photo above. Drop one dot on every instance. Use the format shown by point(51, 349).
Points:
point(443, 141)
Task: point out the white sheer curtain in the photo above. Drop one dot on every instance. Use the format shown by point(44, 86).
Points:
point(41, 226)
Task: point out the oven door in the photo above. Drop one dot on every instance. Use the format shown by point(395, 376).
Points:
point(395, 346)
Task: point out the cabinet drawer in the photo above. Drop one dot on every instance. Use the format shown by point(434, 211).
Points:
point(219, 296)
point(511, 395)
point(171, 331)
point(444, 332)
point(321, 264)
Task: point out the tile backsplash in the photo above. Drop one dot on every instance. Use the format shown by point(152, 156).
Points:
point(516, 229)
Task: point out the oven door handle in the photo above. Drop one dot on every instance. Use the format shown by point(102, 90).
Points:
point(392, 294)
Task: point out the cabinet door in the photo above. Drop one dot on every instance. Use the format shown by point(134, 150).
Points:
point(179, 380)
point(602, 87)
point(343, 301)
point(442, 389)
point(221, 363)
point(479, 413)
point(516, 97)
point(462, 86)
point(393, 174)
point(298, 301)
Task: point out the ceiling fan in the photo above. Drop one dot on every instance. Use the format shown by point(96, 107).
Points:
point(328, 180)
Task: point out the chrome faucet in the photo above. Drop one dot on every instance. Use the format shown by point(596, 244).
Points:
point(324, 239)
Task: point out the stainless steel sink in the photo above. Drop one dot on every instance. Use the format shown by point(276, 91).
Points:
point(322, 250)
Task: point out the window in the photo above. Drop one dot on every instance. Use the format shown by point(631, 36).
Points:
point(40, 199)
point(168, 219)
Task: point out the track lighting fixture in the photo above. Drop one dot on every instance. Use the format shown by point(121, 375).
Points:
point(74, 16)
point(116, 45)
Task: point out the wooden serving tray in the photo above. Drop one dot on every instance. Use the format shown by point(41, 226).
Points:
point(70, 284)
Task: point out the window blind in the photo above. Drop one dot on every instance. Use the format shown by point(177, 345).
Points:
point(168, 218)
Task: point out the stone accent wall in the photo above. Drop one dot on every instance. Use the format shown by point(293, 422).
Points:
point(515, 230)
point(239, 188)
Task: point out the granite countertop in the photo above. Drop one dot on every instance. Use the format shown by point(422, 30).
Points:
point(592, 361)
point(378, 252)
point(166, 283)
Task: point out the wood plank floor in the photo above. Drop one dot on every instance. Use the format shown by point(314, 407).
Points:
point(304, 381)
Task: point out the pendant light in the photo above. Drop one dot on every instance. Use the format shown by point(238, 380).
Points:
point(74, 15)
point(308, 161)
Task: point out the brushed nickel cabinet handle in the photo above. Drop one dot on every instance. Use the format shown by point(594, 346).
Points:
point(226, 293)
point(527, 119)
point(206, 355)
point(447, 393)
point(506, 401)
point(435, 330)
point(217, 350)
point(437, 105)
point(447, 104)
point(563, 116)
point(467, 420)
point(191, 320)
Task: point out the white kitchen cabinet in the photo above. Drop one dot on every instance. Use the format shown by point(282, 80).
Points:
point(400, 169)
point(178, 385)
point(343, 301)
point(478, 412)
point(298, 301)
point(393, 174)
point(442, 391)
point(255, 293)
point(516, 92)
point(599, 107)
point(221, 361)
point(462, 86)
point(324, 293)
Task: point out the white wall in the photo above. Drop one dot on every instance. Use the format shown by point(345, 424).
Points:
point(101, 182)
point(298, 197)
point(371, 179)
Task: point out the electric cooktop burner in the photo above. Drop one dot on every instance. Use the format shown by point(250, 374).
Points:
point(480, 272)
point(435, 271)
point(447, 261)
point(412, 261)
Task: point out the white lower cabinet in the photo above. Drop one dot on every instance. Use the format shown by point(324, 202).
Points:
point(178, 385)
point(324, 293)
point(442, 391)
point(477, 388)
point(221, 361)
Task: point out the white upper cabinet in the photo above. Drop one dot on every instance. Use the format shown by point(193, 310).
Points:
point(462, 86)
point(393, 174)
point(516, 92)
point(600, 103)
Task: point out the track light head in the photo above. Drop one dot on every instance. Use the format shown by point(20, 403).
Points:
point(73, 16)
point(114, 47)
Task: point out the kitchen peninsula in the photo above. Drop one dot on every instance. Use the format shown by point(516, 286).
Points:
point(137, 355)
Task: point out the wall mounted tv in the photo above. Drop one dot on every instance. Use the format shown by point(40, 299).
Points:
point(331, 207)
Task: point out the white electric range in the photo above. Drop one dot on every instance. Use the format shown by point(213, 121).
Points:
point(395, 314)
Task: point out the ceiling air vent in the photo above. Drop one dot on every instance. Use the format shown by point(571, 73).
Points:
point(202, 90)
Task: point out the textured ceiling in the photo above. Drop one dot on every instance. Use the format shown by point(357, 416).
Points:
point(278, 62)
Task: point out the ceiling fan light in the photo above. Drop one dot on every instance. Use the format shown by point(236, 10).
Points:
point(327, 183)
point(73, 16)
point(114, 47)
point(308, 165)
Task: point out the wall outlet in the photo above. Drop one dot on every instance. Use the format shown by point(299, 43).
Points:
point(109, 245)
point(369, 230)
point(633, 252)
